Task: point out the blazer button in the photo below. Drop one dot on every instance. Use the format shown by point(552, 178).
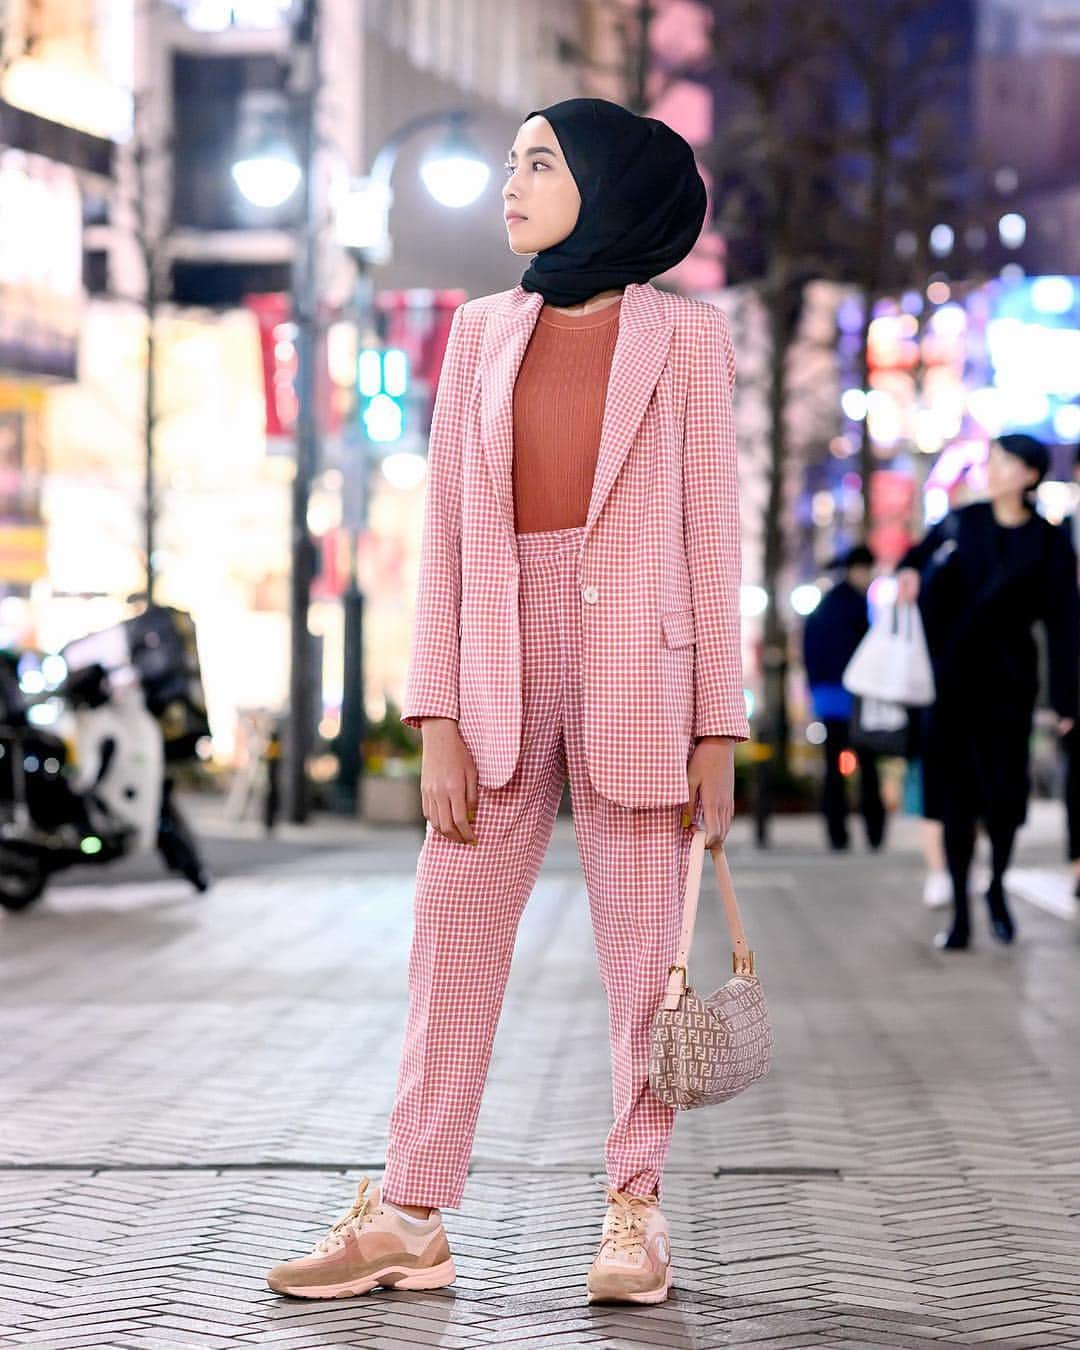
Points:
point(590, 594)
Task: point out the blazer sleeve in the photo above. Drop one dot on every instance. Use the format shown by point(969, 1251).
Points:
point(431, 685)
point(711, 531)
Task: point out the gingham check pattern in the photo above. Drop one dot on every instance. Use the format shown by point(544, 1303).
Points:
point(468, 902)
point(661, 660)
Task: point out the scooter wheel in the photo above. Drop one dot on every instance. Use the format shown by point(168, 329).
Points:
point(21, 883)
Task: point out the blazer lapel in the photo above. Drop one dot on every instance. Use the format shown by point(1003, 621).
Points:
point(641, 349)
point(506, 335)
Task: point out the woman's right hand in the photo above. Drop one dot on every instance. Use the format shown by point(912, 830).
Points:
point(908, 581)
point(447, 780)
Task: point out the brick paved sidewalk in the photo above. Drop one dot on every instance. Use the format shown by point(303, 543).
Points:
point(192, 1085)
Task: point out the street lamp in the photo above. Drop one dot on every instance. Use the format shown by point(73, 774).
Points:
point(267, 180)
point(264, 174)
point(452, 172)
point(267, 172)
point(455, 175)
point(266, 168)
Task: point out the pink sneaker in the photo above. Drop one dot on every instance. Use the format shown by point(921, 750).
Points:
point(633, 1264)
point(373, 1244)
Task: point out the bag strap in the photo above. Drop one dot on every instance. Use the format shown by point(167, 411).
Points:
point(742, 958)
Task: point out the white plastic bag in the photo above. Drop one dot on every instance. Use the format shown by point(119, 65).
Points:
point(892, 662)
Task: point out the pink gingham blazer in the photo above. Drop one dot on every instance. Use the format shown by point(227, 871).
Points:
point(659, 569)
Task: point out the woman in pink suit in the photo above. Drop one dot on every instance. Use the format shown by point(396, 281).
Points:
point(577, 616)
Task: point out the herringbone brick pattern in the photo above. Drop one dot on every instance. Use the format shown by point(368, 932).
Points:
point(189, 1088)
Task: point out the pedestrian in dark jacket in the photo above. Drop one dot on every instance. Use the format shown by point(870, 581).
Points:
point(830, 636)
point(1070, 742)
point(984, 576)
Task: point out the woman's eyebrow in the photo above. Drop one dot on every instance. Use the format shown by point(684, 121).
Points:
point(534, 150)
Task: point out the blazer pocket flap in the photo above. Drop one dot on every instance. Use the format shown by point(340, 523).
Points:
point(678, 627)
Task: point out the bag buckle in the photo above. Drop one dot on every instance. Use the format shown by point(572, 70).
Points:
point(742, 965)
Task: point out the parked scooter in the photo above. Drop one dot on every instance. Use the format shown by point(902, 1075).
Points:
point(94, 789)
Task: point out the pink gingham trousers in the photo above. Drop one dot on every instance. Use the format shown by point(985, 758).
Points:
point(468, 902)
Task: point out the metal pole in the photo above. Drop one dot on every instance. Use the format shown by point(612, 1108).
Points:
point(355, 507)
point(304, 79)
point(149, 431)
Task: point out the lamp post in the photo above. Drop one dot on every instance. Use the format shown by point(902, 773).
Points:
point(268, 173)
point(455, 176)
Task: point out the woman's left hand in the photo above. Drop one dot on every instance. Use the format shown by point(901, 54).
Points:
point(710, 778)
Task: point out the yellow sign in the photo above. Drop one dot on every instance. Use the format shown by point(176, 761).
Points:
point(22, 553)
point(21, 397)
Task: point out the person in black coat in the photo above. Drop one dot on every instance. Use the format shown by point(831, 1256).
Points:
point(1070, 743)
point(983, 577)
point(830, 636)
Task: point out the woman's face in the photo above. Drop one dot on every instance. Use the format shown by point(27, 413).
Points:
point(1007, 475)
point(540, 198)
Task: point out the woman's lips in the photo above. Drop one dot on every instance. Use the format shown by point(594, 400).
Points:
point(513, 220)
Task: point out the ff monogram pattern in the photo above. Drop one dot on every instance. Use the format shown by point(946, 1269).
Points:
point(704, 1051)
point(659, 570)
point(707, 1050)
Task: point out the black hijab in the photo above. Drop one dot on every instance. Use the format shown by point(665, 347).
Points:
point(642, 201)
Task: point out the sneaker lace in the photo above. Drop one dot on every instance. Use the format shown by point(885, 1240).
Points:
point(354, 1219)
point(627, 1217)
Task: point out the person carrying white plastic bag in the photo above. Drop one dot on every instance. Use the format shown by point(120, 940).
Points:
point(892, 663)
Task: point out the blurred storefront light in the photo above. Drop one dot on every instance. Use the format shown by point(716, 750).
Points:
point(1056, 500)
point(753, 601)
point(853, 402)
point(216, 16)
point(1053, 295)
point(906, 244)
point(1067, 422)
point(823, 509)
point(1012, 229)
point(942, 239)
point(1006, 180)
point(404, 470)
point(883, 416)
point(949, 321)
point(805, 599)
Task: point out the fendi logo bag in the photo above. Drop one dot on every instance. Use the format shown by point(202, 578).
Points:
point(705, 1050)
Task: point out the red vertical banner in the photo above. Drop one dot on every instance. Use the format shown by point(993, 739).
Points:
point(277, 346)
point(892, 503)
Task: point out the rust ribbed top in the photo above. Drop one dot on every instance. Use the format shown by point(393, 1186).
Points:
point(559, 398)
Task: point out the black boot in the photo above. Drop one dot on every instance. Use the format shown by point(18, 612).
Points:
point(955, 940)
point(1001, 921)
point(958, 936)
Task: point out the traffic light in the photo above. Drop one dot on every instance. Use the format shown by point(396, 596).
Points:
point(382, 386)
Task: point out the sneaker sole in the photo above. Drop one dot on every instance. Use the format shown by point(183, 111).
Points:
point(648, 1296)
point(393, 1277)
